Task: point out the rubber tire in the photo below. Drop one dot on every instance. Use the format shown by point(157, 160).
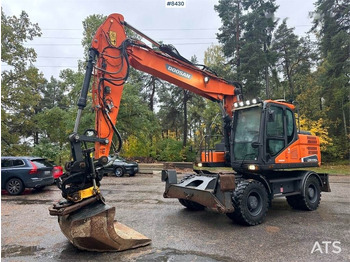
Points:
point(310, 200)
point(245, 213)
point(133, 174)
point(119, 171)
point(14, 186)
point(193, 206)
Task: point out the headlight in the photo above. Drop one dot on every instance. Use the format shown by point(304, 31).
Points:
point(253, 167)
point(246, 103)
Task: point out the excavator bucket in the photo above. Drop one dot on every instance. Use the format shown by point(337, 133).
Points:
point(93, 228)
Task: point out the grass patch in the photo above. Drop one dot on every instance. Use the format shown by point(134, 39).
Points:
point(332, 169)
point(329, 168)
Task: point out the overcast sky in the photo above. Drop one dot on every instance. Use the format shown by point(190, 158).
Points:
point(191, 29)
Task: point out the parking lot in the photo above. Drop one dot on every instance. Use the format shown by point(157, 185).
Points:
point(29, 233)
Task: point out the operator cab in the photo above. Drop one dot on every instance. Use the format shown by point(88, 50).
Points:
point(264, 136)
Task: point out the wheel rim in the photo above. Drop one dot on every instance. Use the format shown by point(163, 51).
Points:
point(311, 193)
point(254, 203)
point(14, 186)
point(118, 171)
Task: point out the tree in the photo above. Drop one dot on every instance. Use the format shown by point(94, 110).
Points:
point(231, 13)
point(331, 21)
point(54, 126)
point(293, 55)
point(90, 25)
point(14, 33)
point(174, 113)
point(151, 87)
point(246, 36)
point(20, 83)
point(53, 94)
point(215, 59)
point(171, 118)
point(20, 99)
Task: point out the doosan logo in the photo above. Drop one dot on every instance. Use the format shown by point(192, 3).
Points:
point(178, 71)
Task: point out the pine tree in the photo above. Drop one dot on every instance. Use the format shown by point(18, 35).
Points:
point(331, 21)
point(246, 37)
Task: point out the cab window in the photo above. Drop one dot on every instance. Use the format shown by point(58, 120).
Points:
point(275, 130)
point(275, 122)
point(290, 125)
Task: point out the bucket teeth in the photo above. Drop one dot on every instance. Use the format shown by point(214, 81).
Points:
point(93, 228)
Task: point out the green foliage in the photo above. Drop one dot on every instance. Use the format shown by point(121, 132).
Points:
point(137, 146)
point(20, 96)
point(90, 25)
point(14, 33)
point(167, 123)
point(72, 82)
point(169, 150)
point(52, 151)
point(134, 117)
point(170, 109)
point(246, 34)
point(293, 56)
point(331, 25)
point(214, 59)
point(53, 124)
point(53, 94)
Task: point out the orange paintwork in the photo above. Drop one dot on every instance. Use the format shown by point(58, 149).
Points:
point(289, 105)
point(109, 56)
point(305, 146)
point(213, 157)
point(110, 35)
point(156, 63)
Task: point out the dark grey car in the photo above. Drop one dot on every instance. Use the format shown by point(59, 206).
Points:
point(18, 173)
point(121, 166)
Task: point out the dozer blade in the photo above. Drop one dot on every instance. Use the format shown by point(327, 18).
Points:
point(93, 228)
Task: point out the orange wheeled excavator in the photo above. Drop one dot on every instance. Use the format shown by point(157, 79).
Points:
point(260, 141)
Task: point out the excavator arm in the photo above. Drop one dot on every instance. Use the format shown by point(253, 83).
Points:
point(116, 53)
point(83, 216)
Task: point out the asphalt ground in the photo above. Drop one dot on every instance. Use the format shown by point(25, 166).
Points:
point(29, 233)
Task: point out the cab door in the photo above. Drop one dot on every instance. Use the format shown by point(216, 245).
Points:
point(280, 130)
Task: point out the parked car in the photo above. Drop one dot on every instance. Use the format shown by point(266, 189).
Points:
point(18, 173)
point(121, 166)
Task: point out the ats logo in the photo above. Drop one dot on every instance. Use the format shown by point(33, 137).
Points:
point(326, 247)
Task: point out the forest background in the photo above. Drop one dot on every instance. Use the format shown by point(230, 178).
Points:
point(162, 122)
